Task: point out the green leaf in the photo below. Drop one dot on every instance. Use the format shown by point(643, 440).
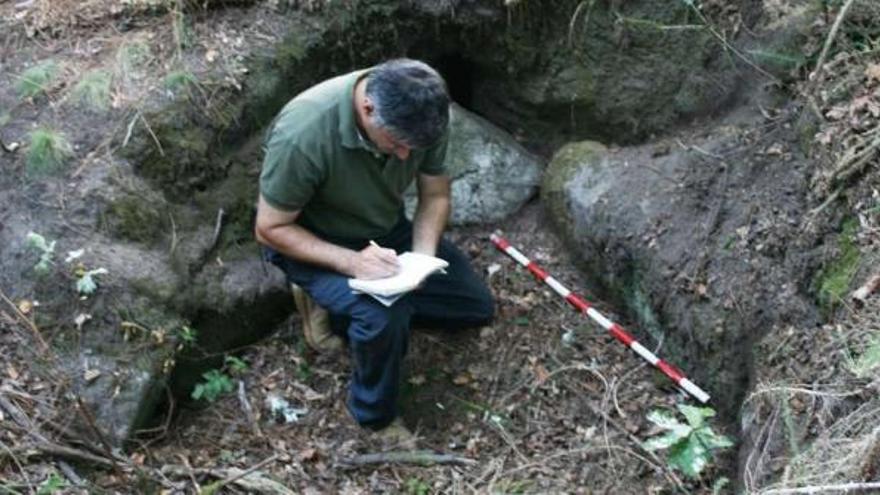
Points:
point(35, 240)
point(86, 284)
point(666, 420)
point(236, 364)
point(695, 415)
point(690, 457)
point(719, 484)
point(666, 440)
point(47, 252)
point(712, 440)
point(52, 485)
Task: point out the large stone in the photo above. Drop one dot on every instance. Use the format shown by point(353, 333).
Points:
point(492, 175)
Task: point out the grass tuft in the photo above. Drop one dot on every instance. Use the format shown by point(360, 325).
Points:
point(93, 90)
point(179, 79)
point(48, 151)
point(132, 55)
point(37, 79)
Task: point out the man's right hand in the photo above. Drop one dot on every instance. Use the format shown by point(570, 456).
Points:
point(374, 262)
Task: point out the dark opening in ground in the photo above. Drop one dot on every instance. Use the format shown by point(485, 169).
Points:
point(459, 74)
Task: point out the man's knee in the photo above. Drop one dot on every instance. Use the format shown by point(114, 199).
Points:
point(374, 322)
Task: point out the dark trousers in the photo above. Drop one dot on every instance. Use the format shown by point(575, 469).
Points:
point(378, 335)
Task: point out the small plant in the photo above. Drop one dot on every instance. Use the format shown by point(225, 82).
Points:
point(216, 384)
point(46, 249)
point(236, 365)
point(93, 90)
point(415, 486)
point(867, 361)
point(130, 56)
point(690, 445)
point(187, 335)
point(52, 485)
point(48, 151)
point(37, 79)
point(179, 80)
point(85, 282)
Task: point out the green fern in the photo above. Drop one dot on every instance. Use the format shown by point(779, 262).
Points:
point(48, 151)
point(216, 384)
point(37, 79)
point(690, 444)
point(93, 90)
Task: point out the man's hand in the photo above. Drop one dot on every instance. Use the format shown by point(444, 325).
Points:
point(374, 262)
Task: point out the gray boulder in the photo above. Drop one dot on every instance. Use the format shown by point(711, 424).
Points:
point(492, 175)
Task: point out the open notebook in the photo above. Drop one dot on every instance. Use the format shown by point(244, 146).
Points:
point(414, 269)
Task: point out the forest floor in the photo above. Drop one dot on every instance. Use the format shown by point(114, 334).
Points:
point(542, 400)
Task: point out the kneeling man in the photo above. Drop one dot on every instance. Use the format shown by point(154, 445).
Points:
point(338, 159)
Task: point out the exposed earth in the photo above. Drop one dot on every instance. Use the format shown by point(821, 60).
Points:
point(710, 181)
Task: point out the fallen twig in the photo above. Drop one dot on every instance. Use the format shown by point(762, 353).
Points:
point(56, 450)
point(817, 72)
point(865, 290)
point(248, 410)
point(806, 490)
point(235, 476)
point(417, 457)
point(70, 474)
point(90, 420)
point(254, 481)
point(218, 226)
point(36, 331)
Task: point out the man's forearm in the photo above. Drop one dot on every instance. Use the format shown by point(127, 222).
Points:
point(299, 244)
point(430, 219)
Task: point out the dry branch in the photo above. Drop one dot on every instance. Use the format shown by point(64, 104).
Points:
point(55, 450)
point(36, 331)
point(808, 490)
point(829, 41)
point(862, 293)
point(248, 410)
point(254, 481)
point(417, 457)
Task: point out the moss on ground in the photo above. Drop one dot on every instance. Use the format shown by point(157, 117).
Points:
point(833, 282)
point(562, 168)
point(136, 218)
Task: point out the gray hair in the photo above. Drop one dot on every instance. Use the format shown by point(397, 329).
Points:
point(411, 102)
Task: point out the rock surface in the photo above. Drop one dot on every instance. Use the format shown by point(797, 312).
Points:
point(492, 175)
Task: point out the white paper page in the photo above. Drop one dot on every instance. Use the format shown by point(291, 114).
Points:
point(414, 268)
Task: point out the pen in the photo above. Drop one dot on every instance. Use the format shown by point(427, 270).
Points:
point(373, 243)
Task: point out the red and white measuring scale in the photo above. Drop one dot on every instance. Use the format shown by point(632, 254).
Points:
point(616, 330)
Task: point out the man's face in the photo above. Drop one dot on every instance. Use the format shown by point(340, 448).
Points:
point(387, 144)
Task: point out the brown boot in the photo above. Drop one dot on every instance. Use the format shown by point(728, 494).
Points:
point(315, 323)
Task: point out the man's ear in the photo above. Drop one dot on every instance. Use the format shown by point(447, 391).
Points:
point(368, 107)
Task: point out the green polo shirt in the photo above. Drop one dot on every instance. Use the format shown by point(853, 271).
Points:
point(316, 161)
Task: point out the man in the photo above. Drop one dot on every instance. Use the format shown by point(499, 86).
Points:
point(337, 161)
